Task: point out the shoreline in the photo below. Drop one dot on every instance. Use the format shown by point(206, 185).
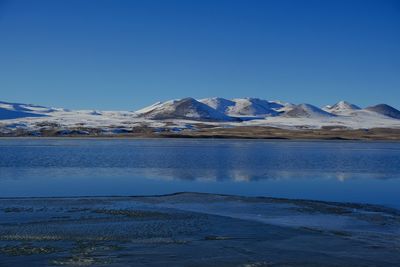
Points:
point(242, 132)
point(267, 198)
point(193, 138)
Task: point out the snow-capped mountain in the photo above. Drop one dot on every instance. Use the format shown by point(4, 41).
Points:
point(186, 108)
point(342, 107)
point(241, 107)
point(17, 110)
point(385, 110)
point(26, 107)
point(307, 111)
point(254, 107)
point(191, 114)
point(220, 104)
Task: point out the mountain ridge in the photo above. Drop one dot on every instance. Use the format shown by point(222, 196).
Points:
point(186, 108)
point(214, 108)
point(189, 114)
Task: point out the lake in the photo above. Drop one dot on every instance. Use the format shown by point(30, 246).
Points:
point(367, 172)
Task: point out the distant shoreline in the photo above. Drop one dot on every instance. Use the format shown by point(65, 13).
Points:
point(242, 132)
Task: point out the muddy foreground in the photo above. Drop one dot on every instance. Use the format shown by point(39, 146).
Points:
point(190, 229)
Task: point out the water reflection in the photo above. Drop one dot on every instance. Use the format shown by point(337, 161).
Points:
point(279, 168)
point(192, 174)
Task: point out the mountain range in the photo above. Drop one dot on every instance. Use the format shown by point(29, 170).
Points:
point(190, 114)
point(244, 109)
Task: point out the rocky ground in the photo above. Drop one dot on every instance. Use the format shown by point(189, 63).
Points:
point(190, 229)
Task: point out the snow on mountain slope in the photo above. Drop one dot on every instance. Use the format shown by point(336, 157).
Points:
point(6, 114)
point(186, 108)
point(362, 120)
point(220, 104)
point(25, 107)
point(240, 107)
point(254, 107)
point(306, 111)
point(16, 110)
point(342, 107)
point(285, 106)
point(188, 114)
point(357, 119)
point(385, 110)
point(150, 108)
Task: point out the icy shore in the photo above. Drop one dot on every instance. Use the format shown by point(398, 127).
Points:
point(191, 229)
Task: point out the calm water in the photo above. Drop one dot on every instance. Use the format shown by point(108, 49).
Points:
point(340, 171)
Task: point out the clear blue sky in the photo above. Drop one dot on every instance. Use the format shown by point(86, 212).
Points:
point(119, 54)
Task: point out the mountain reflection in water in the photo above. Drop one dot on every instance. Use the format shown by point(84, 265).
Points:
point(326, 170)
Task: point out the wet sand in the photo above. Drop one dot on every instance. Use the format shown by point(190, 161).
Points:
point(191, 229)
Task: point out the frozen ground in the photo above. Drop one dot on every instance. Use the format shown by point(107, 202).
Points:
point(191, 229)
point(112, 120)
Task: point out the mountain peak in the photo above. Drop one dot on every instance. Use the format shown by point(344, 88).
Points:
point(218, 103)
point(341, 107)
point(186, 108)
point(306, 111)
point(254, 107)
